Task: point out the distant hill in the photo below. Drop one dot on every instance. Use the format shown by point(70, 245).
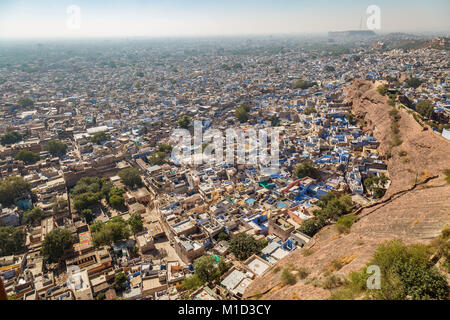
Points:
point(352, 33)
point(441, 43)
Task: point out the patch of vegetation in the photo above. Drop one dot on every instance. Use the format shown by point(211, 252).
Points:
point(131, 177)
point(56, 148)
point(11, 188)
point(241, 113)
point(376, 184)
point(28, 157)
point(89, 191)
point(55, 245)
point(99, 137)
point(184, 122)
point(287, 278)
point(331, 208)
point(332, 282)
point(206, 269)
point(425, 108)
point(447, 175)
point(382, 89)
point(32, 216)
point(307, 252)
point(244, 245)
point(309, 110)
point(10, 137)
point(106, 233)
point(413, 83)
point(303, 84)
point(406, 274)
point(306, 169)
point(25, 103)
point(395, 128)
point(12, 240)
point(343, 224)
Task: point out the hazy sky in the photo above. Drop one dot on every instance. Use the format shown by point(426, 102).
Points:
point(98, 18)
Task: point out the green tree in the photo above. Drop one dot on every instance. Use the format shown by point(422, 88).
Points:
point(406, 273)
point(382, 89)
point(241, 113)
point(413, 83)
point(86, 200)
point(208, 269)
point(329, 69)
point(10, 137)
point(32, 216)
point(12, 240)
point(191, 283)
point(117, 202)
point(56, 148)
point(131, 177)
point(185, 122)
point(28, 157)
point(306, 169)
point(309, 110)
point(303, 84)
point(425, 108)
point(12, 188)
point(166, 148)
point(310, 227)
point(119, 281)
point(109, 232)
point(25, 102)
point(55, 244)
point(244, 245)
point(222, 236)
point(136, 223)
point(99, 137)
point(88, 215)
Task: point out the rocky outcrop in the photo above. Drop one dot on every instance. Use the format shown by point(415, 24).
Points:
point(415, 216)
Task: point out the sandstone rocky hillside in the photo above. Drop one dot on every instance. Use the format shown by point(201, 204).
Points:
point(415, 216)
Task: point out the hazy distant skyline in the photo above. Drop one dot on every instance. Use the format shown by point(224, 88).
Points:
point(160, 18)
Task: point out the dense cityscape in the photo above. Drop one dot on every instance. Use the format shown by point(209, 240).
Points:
point(95, 206)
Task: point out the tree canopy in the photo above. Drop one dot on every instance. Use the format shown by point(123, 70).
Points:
point(131, 177)
point(11, 188)
point(56, 148)
point(116, 201)
point(55, 244)
point(331, 208)
point(306, 169)
point(413, 83)
point(136, 223)
point(89, 191)
point(28, 157)
point(12, 240)
point(10, 137)
point(303, 84)
point(425, 108)
point(185, 122)
point(32, 216)
point(244, 245)
point(25, 102)
point(241, 113)
point(99, 137)
point(106, 233)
